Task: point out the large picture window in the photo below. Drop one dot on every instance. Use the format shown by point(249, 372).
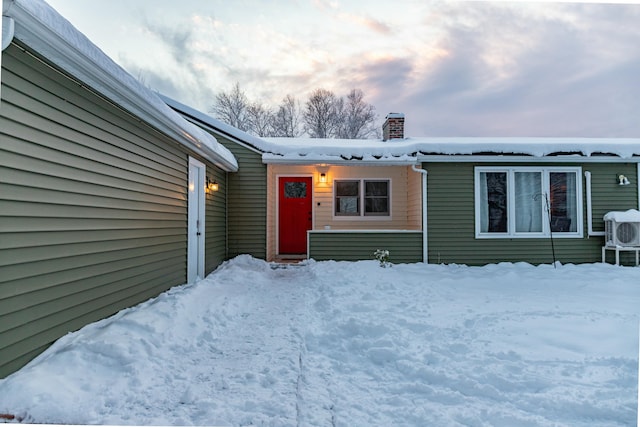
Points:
point(528, 202)
point(367, 197)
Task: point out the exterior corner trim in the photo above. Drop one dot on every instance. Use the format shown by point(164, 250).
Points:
point(425, 232)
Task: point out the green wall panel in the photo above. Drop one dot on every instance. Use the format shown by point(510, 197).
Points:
point(403, 247)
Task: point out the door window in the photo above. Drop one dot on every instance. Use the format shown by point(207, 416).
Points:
point(295, 190)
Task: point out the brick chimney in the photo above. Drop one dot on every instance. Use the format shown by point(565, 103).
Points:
point(393, 127)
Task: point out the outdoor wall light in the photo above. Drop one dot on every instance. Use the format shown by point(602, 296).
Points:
point(212, 185)
point(323, 177)
point(623, 180)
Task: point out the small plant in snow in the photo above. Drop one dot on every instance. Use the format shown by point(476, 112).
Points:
point(382, 255)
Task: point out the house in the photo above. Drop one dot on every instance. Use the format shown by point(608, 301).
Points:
point(109, 196)
point(102, 187)
point(247, 189)
point(440, 200)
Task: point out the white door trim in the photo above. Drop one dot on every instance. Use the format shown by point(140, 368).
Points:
point(195, 223)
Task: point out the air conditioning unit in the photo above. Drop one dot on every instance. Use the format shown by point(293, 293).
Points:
point(622, 228)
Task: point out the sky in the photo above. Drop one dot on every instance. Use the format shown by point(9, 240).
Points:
point(453, 68)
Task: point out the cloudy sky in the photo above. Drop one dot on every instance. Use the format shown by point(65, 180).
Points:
point(454, 68)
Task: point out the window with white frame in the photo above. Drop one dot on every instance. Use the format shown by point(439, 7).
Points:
point(528, 202)
point(362, 197)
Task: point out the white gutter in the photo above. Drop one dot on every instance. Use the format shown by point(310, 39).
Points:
point(425, 234)
point(269, 158)
point(590, 232)
point(461, 158)
point(8, 29)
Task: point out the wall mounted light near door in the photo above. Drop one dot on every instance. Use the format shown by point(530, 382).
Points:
point(623, 180)
point(322, 171)
point(212, 185)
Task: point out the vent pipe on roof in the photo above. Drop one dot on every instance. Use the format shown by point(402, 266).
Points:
point(393, 127)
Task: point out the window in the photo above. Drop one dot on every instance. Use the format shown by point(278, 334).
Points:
point(528, 202)
point(352, 195)
point(347, 197)
point(295, 190)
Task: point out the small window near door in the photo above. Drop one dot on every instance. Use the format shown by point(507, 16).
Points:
point(362, 197)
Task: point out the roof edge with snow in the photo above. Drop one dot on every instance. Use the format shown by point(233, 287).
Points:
point(304, 150)
point(206, 121)
point(41, 28)
point(444, 149)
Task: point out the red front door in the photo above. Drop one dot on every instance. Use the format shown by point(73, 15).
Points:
point(294, 218)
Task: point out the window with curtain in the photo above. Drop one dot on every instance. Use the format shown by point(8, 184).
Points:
point(362, 197)
point(528, 202)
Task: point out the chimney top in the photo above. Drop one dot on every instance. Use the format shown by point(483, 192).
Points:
point(393, 127)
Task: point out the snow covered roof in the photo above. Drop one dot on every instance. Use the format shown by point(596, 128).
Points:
point(210, 122)
point(40, 27)
point(408, 150)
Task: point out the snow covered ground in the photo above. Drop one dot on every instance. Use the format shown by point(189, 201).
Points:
point(353, 344)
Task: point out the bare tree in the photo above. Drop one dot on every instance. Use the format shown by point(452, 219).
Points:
point(358, 120)
point(322, 114)
point(260, 120)
point(286, 120)
point(231, 107)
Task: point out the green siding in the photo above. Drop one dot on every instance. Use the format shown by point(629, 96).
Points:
point(451, 218)
point(403, 247)
point(93, 209)
point(215, 220)
point(247, 202)
point(607, 195)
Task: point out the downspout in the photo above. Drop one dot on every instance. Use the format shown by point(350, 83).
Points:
point(590, 232)
point(425, 234)
point(638, 187)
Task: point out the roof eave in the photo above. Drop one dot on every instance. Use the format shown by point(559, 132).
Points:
point(210, 124)
point(270, 158)
point(509, 158)
point(32, 31)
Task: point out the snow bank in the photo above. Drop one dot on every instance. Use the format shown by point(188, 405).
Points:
point(338, 343)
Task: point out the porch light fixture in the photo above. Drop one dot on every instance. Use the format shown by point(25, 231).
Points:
point(212, 185)
point(623, 180)
point(323, 177)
